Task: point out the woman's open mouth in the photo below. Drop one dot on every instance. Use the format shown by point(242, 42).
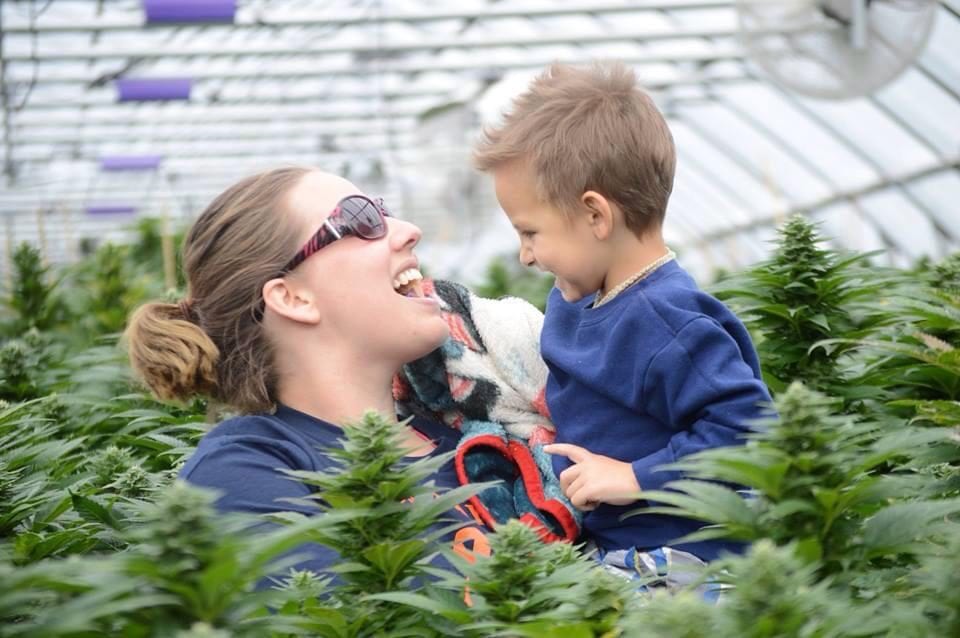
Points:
point(409, 283)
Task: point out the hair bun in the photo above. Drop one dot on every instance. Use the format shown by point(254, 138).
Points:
point(170, 353)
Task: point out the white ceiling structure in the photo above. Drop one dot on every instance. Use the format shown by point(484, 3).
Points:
point(392, 93)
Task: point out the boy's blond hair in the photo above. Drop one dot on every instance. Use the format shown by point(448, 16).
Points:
point(586, 129)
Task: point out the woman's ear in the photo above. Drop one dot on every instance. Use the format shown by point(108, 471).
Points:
point(600, 213)
point(296, 303)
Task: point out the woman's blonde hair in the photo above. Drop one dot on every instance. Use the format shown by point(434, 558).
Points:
point(212, 343)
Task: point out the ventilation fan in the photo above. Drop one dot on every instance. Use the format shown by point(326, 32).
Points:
point(835, 49)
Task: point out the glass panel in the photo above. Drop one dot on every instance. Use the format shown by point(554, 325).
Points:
point(691, 212)
point(941, 194)
point(927, 107)
point(847, 228)
point(875, 134)
point(902, 223)
point(941, 53)
point(700, 153)
point(781, 171)
point(807, 137)
point(717, 209)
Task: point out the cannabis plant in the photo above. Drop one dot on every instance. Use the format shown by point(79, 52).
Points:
point(381, 517)
point(946, 275)
point(110, 289)
point(800, 296)
point(26, 364)
point(33, 301)
point(523, 587)
point(774, 595)
point(812, 479)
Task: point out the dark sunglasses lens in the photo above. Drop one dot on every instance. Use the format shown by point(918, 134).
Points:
point(363, 217)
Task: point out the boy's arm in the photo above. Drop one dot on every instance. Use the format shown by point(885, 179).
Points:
point(700, 386)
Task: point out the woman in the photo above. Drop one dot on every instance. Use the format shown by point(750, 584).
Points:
point(292, 275)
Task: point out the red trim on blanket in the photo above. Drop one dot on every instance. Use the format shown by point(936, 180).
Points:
point(522, 458)
point(493, 442)
point(542, 530)
point(530, 474)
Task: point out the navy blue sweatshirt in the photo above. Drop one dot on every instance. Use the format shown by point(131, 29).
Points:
point(660, 371)
point(242, 458)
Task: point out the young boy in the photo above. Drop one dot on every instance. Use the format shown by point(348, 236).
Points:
point(644, 368)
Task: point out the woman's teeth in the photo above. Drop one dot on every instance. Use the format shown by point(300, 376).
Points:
point(407, 283)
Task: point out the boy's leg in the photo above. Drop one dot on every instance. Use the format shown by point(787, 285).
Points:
point(664, 567)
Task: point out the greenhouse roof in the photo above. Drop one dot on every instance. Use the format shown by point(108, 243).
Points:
point(393, 93)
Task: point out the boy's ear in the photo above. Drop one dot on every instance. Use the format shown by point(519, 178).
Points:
point(289, 300)
point(600, 213)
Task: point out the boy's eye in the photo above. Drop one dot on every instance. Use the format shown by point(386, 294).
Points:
point(527, 234)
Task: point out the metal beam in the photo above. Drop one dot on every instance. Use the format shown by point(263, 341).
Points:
point(106, 98)
point(215, 131)
point(382, 49)
point(857, 151)
point(178, 115)
point(201, 114)
point(813, 167)
point(168, 145)
point(256, 20)
point(868, 159)
point(845, 195)
point(275, 154)
point(481, 67)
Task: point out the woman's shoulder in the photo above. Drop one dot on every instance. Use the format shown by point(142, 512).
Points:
point(293, 441)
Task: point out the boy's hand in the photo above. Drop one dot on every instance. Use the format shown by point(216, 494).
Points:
point(595, 479)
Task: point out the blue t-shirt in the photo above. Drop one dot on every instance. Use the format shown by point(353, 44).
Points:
point(660, 371)
point(242, 458)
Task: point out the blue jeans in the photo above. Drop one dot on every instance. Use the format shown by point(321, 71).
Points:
point(660, 568)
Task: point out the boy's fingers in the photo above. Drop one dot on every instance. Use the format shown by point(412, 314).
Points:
point(573, 452)
point(580, 498)
point(568, 476)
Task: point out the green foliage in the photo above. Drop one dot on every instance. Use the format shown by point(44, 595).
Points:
point(33, 302)
point(503, 280)
point(946, 275)
point(110, 288)
point(378, 509)
point(918, 358)
point(850, 500)
point(528, 588)
point(800, 296)
point(534, 589)
point(814, 480)
point(148, 249)
point(25, 363)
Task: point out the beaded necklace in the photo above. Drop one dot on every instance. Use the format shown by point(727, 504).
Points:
point(643, 274)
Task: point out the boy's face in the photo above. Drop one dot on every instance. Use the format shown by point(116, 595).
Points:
point(550, 239)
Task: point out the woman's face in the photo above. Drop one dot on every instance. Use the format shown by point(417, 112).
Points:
point(355, 280)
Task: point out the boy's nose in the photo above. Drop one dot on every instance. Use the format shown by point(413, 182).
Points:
point(526, 257)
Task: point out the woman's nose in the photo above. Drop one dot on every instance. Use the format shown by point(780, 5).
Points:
point(403, 234)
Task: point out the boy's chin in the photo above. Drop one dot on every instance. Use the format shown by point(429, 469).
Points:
point(569, 294)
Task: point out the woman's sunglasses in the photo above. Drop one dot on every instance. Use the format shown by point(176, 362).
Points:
point(354, 216)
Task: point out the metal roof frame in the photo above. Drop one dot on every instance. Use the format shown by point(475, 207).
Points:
point(266, 101)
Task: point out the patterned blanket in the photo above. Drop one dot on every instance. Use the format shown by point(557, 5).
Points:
point(488, 381)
